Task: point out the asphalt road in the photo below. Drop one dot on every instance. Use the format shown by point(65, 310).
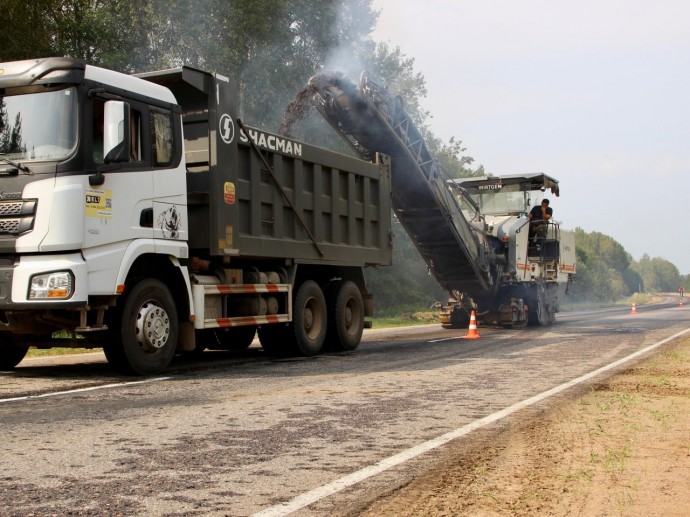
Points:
point(236, 434)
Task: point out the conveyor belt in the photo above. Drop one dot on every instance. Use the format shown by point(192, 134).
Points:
point(373, 121)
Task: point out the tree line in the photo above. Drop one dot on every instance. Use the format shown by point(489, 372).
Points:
point(272, 48)
point(606, 271)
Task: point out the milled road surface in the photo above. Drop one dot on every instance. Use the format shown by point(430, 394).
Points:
point(238, 434)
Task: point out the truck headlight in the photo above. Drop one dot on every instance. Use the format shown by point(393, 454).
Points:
point(54, 286)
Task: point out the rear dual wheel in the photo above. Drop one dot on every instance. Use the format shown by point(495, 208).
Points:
point(340, 324)
point(306, 334)
point(346, 317)
point(309, 319)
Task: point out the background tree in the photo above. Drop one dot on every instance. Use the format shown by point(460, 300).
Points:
point(659, 275)
point(406, 285)
point(26, 29)
point(10, 133)
point(604, 271)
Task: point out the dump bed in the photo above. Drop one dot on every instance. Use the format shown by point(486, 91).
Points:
point(260, 195)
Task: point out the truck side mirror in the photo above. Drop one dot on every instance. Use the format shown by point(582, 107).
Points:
point(116, 141)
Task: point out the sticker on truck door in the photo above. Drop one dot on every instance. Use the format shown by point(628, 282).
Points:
point(99, 203)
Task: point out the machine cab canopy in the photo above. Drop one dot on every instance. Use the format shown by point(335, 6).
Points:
point(505, 195)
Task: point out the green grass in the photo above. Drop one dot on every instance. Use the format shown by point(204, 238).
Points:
point(615, 460)
point(41, 352)
point(405, 319)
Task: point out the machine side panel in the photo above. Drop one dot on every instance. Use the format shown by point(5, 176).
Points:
point(567, 264)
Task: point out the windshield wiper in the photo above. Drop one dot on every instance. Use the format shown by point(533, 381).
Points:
point(18, 165)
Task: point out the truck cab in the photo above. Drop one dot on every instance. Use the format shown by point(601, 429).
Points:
point(68, 237)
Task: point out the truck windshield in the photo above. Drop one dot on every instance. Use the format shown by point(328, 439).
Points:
point(38, 126)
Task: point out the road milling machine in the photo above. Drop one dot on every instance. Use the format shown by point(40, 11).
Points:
point(473, 233)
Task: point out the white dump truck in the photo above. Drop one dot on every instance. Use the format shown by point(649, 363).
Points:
point(138, 214)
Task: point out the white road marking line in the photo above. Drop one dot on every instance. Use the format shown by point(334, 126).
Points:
point(81, 390)
point(324, 491)
point(443, 339)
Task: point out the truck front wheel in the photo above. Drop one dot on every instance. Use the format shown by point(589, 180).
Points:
point(144, 334)
point(12, 351)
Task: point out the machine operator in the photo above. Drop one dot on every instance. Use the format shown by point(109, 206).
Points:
point(538, 216)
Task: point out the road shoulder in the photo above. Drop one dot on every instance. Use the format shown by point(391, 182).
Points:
point(622, 448)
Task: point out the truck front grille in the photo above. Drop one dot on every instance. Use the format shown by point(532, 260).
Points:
point(17, 217)
point(10, 208)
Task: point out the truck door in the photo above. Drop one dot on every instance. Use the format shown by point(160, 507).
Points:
point(116, 210)
point(169, 176)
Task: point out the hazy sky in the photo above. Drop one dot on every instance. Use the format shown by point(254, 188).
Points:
point(595, 93)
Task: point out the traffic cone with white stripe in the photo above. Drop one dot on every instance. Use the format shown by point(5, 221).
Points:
point(634, 309)
point(472, 331)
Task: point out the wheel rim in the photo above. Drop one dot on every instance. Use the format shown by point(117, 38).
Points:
point(153, 327)
point(313, 318)
point(348, 315)
point(352, 316)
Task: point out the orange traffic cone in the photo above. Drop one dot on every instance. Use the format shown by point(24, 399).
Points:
point(472, 331)
point(634, 309)
point(681, 302)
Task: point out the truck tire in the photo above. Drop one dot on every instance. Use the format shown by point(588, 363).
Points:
point(345, 317)
point(235, 338)
point(309, 319)
point(12, 351)
point(539, 316)
point(145, 330)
